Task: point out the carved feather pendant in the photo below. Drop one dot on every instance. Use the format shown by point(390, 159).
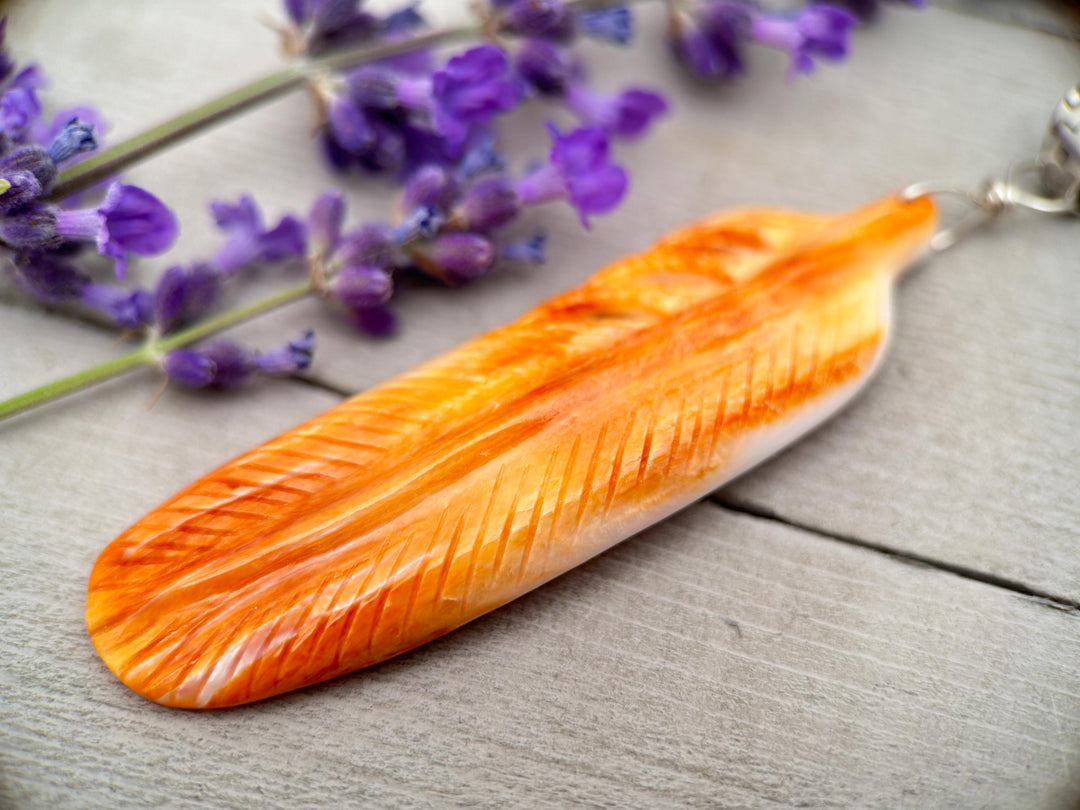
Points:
point(425, 502)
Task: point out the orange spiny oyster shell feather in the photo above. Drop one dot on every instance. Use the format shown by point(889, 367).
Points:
point(419, 505)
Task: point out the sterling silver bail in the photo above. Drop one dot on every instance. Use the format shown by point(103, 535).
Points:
point(1048, 183)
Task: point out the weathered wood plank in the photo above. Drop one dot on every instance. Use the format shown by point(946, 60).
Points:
point(961, 453)
point(716, 659)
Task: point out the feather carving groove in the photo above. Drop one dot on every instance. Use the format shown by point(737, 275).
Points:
point(417, 506)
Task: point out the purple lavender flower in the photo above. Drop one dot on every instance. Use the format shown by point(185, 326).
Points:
point(361, 286)
point(626, 114)
point(17, 190)
point(183, 295)
point(324, 224)
point(487, 204)
point(130, 309)
point(30, 158)
point(355, 268)
point(19, 105)
point(457, 257)
point(579, 171)
point(249, 241)
point(324, 24)
point(470, 89)
point(376, 321)
point(224, 363)
point(709, 44)
point(349, 126)
point(817, 30)
point(74, 138)
point(546, 66)
point(48, 277)
point(430, 186)
point(294, 356)
point(129, 219)
point(31, 228)
point(372, 244)
point(538, 18)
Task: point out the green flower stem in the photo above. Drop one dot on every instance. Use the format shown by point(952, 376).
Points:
point(149, 353)
point(202, 329)
point(127, 153)
point(73, 382)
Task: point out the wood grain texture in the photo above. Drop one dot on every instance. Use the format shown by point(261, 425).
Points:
point(861, 681)
point(988, 329)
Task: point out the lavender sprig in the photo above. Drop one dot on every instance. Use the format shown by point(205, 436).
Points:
point(388, 114)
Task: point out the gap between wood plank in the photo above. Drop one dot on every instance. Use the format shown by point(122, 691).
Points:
point(1043, 597)
point(764, 513)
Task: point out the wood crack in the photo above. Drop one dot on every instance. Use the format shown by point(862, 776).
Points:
point(1062, 603)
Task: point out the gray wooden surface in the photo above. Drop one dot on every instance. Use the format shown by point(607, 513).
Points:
point(883, 616)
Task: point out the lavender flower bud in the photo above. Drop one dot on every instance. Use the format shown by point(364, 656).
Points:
point(349, 126)
point(290, 358)
point(538, 18)
point(362, 286)
point(430, 186)
point(31, 228)
point(613, 24)
point(471, 89)
point(531, 250)
point(324, 223)
point(189, 367)
point(19, 105)
point(33, 159)
point(48, 277)
point(489, 203)
point(376, 321)
point(130, 309)
point(546, 66)
point(371, 244)
point(19, 189)
point(221, 364)
point(76, 137)
point(626, 114)
point(182, 296)
point(459, 257)
point(248, 240)
point(709, 46)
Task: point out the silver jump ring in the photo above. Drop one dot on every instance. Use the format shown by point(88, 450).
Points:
point(994, 198)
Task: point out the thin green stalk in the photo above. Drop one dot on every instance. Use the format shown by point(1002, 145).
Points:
point(74, 382)
point(149, 353)
point(111, 161)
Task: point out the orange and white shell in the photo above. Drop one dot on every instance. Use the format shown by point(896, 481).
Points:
point(415, 507)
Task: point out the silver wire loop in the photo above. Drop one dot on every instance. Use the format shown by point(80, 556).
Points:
point(995, 197)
